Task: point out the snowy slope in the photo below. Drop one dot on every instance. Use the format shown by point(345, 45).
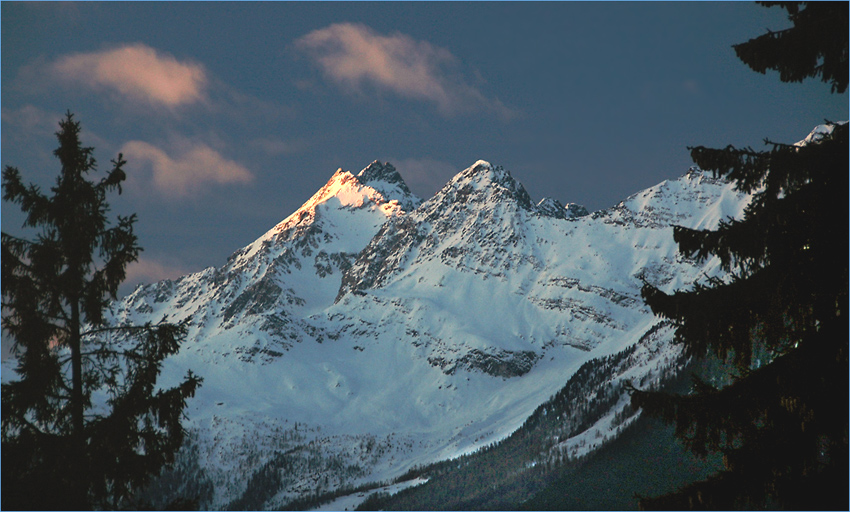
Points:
point(369, 332)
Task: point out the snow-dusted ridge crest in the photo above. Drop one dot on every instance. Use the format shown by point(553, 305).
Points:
point(370, 332)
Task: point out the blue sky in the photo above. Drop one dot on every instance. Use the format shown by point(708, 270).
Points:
point(231, 115)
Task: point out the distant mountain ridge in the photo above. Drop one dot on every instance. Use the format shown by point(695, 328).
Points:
point(371, 332)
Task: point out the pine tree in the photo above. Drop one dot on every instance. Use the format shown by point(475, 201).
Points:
point(83, 424)
point(779, 319)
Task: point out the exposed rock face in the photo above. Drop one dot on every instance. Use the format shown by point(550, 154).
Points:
point(370, 331)
point(553, 208)
point(575, 211)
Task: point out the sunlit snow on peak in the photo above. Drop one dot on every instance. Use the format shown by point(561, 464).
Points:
point(369, 319)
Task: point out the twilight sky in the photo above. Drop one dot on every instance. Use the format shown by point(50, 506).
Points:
point(231, 115)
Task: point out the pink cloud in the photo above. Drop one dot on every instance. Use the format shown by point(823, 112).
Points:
point(353, 55)
point(146, 271)
point(188, 172)
point(149, 271)
point(30, 120)
point(137, 72)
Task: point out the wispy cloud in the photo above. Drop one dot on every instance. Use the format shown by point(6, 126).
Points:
point(354, 56)
point(29, 119)
point(148, 270)
point(187, 173)
point(136, 72)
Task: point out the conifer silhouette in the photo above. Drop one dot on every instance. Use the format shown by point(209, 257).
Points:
point(779, 319)
point(83, 424)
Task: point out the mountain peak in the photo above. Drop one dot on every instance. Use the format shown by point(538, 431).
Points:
point(384, 178)
point(483, 171)
point(484, 179)
point(575, 211)
point(377, 186)
point(353, 324)
point(342, 185)
point(551, 207)
point(482, 165)
point(819, 132)
point(377, 171)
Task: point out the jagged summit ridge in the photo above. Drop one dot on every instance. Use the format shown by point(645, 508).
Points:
point(498, 184)
point(381, 172)
point(483, 182)
point(819, 132)
point(290, 270)
point(373, 322)
point(483, 206)
point(377, 187)
point(551, 207)
point(384, 178)
point(575, 211)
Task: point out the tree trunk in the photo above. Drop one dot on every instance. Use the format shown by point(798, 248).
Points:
point(79, 470)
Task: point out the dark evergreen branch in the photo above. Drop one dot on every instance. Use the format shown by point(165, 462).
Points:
point(131, 329)
point(22, 421)
point(53, 287)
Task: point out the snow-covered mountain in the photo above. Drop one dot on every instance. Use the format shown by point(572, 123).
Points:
point(369, 332)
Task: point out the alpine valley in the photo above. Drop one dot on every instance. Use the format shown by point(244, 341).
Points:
point(370, 335)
